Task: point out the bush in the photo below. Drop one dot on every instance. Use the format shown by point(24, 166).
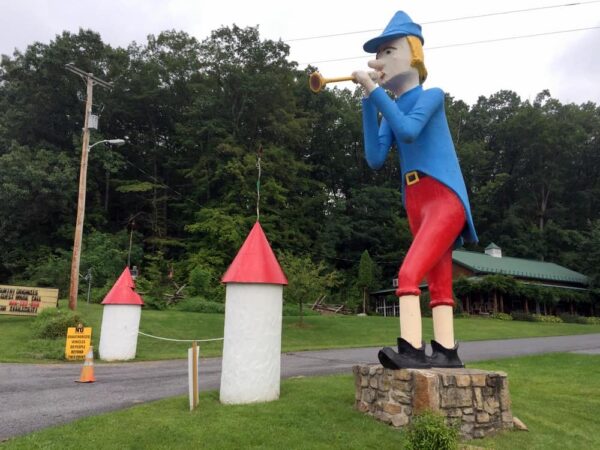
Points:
point(201, 305)
point(155, 302)
point(546, 319)
point(291, 309)
point(574, 318)
point(428, 431)
point(520, 315)
point(502, 316)
point(205, 282)
point(53, 323)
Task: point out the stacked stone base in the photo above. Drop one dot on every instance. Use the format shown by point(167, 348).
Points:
point(476, 401)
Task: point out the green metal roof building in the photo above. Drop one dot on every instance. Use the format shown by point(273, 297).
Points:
point(477, 264)
point(474, 265)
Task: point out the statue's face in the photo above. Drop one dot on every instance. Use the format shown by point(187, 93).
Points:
point(393, 62)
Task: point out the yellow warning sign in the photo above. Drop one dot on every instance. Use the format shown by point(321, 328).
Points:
point(78, 343)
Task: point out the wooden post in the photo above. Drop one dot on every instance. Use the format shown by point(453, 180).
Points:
point(195, 374)
point(91, 80)
point(81, 198)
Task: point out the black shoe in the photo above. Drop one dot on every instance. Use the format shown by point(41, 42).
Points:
point(408, 357)
point(444, 357)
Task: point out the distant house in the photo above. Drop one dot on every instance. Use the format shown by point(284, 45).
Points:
point(475, 267)
point(479, 271)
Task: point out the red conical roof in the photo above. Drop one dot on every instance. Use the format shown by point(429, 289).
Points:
point(255, 262)
point(123, 292)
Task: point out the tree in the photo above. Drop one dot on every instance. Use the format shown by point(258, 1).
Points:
point(366, 277)
point(306, 280)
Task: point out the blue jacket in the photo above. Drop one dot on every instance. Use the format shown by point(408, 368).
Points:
point(417, 122)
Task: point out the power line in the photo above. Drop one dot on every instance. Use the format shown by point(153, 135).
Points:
point(454, 19)
point(162, 184)
point(463, 44)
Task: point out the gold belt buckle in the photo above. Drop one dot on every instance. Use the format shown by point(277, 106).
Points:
point(412, 177)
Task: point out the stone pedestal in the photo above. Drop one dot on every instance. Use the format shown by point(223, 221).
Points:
point(476, 401)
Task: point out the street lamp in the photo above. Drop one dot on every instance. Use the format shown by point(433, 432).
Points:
point(80, 215)
point(113, 142)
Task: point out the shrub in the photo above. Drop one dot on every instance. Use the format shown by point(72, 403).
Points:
point(502, 316)
point(155, 302)
point(428, 431)
point(520, 315)
point(573, 318)
point(291, 309)
point(53, 323)
point(205, 282)
point(201, 305)
point(546, 319)
point(97, 294)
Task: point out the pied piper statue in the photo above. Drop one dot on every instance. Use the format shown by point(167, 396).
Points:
point(433, 189)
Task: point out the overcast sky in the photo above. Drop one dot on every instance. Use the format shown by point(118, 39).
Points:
point(568, 64)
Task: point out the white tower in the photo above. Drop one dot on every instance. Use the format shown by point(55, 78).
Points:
point(251, 370)
point(120, 320)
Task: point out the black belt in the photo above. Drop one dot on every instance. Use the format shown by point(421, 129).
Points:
point(414, 176)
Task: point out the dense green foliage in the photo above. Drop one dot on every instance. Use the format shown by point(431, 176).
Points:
point(53, 323)
point(544, 300)
point(429, 431)
point(195, 114)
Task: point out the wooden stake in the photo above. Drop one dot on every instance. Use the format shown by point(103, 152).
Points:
point(195, 374)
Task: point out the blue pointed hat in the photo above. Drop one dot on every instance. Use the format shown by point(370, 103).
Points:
point(400, 25)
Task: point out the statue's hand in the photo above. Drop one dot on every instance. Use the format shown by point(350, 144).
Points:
point(366, 80)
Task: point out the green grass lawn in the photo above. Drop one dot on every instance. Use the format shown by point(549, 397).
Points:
point(556, 395)
point(318, 332)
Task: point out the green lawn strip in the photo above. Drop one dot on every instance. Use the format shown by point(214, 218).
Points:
point(318, 332)
point(556, 395)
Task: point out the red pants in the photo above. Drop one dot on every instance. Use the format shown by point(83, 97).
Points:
point(436, 217)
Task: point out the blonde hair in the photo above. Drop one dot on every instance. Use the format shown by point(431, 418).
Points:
point(418, 58)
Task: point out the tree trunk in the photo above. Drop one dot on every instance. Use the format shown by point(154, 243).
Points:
point(544, 195)
point(537, 307)
point(106, 189)
point(495, 299)
point(526, 306)
point(468, 303)
point(501, 303)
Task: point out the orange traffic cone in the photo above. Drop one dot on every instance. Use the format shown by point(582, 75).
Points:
point(87, 371)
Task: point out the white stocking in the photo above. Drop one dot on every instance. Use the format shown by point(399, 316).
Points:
point(410, 320)
point(443, 325)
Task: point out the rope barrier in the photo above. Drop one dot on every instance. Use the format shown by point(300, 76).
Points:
point(180, 340)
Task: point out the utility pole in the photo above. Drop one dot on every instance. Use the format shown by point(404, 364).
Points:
point(90, 80)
